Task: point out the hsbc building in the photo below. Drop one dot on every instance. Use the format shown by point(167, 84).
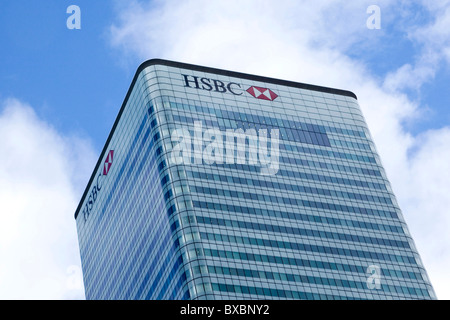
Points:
point(324, 225)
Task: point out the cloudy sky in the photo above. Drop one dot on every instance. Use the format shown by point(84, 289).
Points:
point(61, 89)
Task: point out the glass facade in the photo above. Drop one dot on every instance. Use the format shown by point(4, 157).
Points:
point(222, 185)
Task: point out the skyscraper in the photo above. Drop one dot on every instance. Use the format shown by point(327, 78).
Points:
point(221, 185)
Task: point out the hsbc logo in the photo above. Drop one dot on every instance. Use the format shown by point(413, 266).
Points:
point(108, 162)
point(231, 87)
point(96, 189)
point(262, 93)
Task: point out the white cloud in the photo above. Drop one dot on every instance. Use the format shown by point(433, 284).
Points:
point(309, 42)
point(40, 173)
point(431, 40)
point(423, 192)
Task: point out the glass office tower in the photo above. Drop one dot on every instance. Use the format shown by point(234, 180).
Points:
point(221, 185)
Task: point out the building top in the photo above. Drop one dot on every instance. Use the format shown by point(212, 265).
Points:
point(180, 65)
point(241, 75)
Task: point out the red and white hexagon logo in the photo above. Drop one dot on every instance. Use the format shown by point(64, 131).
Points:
point(262, 93)
point(108, 162)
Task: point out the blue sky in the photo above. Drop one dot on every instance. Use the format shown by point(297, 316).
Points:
point(72, 78)
point(61, 89)
point(75, 79)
